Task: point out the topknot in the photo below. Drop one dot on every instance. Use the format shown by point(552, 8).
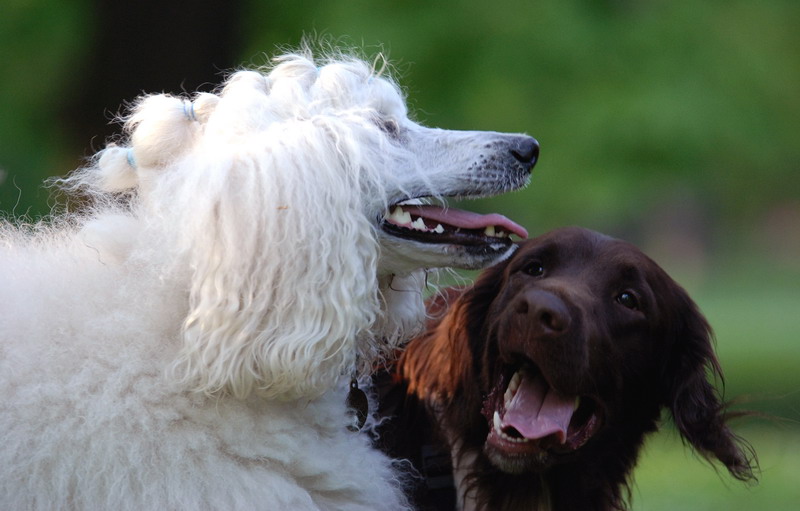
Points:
point(163, 127)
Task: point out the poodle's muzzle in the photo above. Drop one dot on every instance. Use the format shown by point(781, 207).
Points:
point(462, 165)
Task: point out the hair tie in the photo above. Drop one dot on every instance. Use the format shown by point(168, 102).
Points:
point(131, 159)
point(188, 110)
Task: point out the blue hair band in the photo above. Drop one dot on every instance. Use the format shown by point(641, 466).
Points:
point(131, 159)
point(189, 112)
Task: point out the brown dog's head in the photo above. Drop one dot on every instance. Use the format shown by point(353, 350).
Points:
point(566, 354)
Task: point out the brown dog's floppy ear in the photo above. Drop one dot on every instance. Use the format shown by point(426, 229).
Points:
point(432, 363)
point(436, 362)
point(695, 404)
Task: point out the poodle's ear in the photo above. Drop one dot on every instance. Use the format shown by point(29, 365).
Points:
point(283, 262)
point(693, 401)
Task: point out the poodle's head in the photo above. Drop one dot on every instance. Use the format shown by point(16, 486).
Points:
point(297, 201)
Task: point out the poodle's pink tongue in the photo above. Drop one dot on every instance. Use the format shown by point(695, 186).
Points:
point(466, 219)
point(537, 411)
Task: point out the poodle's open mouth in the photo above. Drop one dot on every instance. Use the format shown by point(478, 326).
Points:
point(427, 223)
point(531, 424)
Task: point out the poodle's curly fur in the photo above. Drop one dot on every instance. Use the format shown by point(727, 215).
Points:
point(185, 341)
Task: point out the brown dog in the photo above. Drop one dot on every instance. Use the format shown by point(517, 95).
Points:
point(545, 376)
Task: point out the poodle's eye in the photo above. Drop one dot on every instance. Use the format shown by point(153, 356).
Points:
point(390, 127)
point(628, 300)
point(534, 269)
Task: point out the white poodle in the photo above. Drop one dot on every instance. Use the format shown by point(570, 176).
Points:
point(187, 342)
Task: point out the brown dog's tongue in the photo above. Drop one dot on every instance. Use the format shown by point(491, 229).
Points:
point(537, 411)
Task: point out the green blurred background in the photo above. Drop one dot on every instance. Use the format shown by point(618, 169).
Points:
point(673, 124)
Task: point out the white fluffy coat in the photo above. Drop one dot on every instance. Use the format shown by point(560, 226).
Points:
point(187, 342)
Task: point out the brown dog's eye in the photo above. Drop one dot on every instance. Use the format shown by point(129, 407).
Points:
point(628, 300)
point(534, 269)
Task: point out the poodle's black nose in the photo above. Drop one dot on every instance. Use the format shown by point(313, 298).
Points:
point(526, 150)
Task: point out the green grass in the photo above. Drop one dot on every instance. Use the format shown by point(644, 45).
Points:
point(756, 318)
point(671, 477)
point(754, 308)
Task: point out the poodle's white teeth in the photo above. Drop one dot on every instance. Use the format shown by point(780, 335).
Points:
point(411, 202)
point(400, 216)
point(419, 224)
point(496, 422)
point(493, 232)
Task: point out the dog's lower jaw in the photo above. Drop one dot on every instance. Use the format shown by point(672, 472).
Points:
point(400, 257)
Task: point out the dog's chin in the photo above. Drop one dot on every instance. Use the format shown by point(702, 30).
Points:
point(404, 255)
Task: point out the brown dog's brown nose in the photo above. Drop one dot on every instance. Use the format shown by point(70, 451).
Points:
point(545, 311)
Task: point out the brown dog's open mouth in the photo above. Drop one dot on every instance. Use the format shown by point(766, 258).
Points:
point(530, 422)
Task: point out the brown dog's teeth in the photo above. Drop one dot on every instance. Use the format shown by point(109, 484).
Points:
point(496, 422)
point(497, 425)
point(513, 385)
